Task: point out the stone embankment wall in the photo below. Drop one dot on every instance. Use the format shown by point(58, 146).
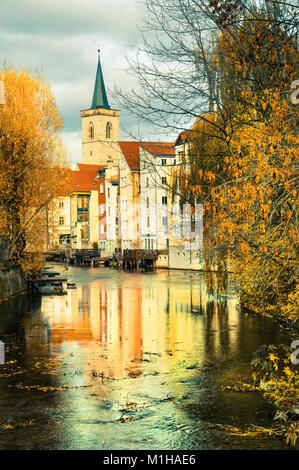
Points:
point(12, 283)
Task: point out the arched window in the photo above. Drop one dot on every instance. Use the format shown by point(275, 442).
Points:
point(108, 130)
point(91, 130)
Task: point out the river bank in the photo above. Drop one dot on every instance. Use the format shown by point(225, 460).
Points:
point(12, 283)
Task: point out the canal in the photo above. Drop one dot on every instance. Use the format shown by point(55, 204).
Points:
point(132, 361)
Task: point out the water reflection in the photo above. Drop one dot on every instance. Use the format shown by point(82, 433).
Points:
point(145, 351)
point(141, 315)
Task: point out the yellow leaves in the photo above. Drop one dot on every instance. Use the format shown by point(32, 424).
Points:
point(246, 94)
point(287, 371)
point(291, 435)
point(34, 171)
point(272, 357)
point(262, 226)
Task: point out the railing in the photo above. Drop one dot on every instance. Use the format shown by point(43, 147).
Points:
point(86, 253)
point(140, 254)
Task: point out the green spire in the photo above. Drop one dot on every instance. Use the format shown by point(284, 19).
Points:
point(99, 99)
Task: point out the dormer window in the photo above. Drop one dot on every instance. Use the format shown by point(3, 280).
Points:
point(108, 130)
point(91, 131)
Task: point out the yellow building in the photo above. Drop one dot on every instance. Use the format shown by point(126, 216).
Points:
point(129, 193)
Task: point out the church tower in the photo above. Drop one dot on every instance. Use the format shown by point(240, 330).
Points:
point(100, 126)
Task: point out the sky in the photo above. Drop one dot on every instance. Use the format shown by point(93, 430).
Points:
point(60, 38)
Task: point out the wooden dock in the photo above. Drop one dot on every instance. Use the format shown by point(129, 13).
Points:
point(131, 259)
point(138, 259)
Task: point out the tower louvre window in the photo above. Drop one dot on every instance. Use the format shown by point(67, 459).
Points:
point(108, 130)
point(91, 131)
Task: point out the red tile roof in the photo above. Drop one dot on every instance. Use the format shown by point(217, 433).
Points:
point(89, 167)
point(82, 181)
point(159, 148)
point(184, 136)
point(131, 151)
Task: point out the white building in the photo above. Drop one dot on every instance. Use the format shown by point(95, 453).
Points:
point(185, 245)
point(156, 163)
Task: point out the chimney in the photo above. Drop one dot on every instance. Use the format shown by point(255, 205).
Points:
point(109, 163)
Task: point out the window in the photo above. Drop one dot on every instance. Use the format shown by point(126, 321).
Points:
point(147, 182)
point(123, 181)
point(64, 240)
point(61, 220)
point(164, 199)
point(125, 225)
point(124, 204)
point(91, 153)
point(192, 222)
point(108, 192)
point(61, 205)
point(164, 221)
point(82, 217)
point(102, 209)
point(147, 202)
point(84, 202)
point(164, 180)
point(91, 131)
point(148, 222)
point(174, 161)
point(164, 161)
point(108, 130)
point(101, 188)
point(102, 229)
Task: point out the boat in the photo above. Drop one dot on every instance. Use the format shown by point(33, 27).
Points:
point(71, 284)
point(50, 288)
point(50, 273)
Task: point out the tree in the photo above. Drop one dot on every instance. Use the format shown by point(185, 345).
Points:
point(177, 67)
point(32, 168)
point(224, 70)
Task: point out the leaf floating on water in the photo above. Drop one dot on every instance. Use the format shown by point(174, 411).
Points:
point(49, 389)
point(125, 420)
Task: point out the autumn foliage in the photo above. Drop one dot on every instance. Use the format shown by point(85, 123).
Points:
point(243, 165)
point(32, 168)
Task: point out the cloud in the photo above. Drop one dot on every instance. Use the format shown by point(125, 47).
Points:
point(60, 39)
point(73, 144)
point(71, 17)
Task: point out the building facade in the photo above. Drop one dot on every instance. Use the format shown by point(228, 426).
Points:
point(121, 194)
